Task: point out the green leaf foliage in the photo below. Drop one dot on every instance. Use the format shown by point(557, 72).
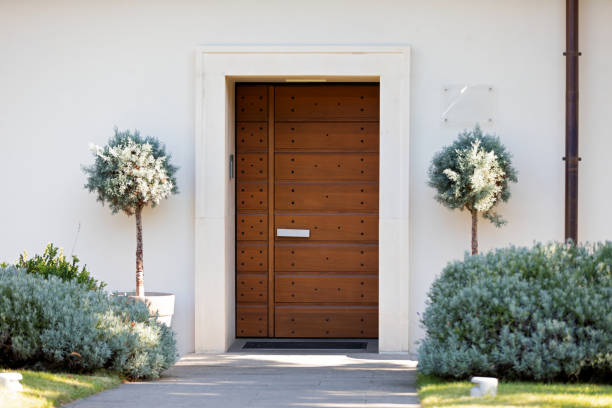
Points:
point(542, 313)
point(131, 172)
point(53, 324)
point(53, 263)
point(473, 173)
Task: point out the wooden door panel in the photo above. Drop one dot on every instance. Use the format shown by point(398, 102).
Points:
point(252, 227)
point(252, 196)
point(325, 257)
point(326, 166)
point(326, 288)
point(305, 321)
point(307, 158)
point(252, 287)
point(251, 136)
point(253, 204)
point(252, 166)
point(252, 320)
point(331, 137)
point(251, 258)
point(331, 227)
point(331, 103)
point(251, 103)
point(326, 197)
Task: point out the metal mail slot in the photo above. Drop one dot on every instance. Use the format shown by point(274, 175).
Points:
point(295, 233)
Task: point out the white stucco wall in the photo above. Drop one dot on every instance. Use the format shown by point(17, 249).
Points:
point(70, 71)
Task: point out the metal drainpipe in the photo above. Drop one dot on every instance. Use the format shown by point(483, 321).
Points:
point(571, 121)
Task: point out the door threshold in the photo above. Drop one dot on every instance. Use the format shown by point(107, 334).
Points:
point(304, 346)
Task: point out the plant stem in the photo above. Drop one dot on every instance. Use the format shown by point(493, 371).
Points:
point(474, 231)
point(140, 292)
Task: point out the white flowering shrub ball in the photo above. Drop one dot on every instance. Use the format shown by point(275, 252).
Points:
point(484, 177)
point(473, 174)
point(131, 172)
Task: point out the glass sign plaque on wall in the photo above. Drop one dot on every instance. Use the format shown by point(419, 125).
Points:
point(466, 105)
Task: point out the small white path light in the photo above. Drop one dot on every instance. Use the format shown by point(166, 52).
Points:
point(484, 386)
point(10, 382)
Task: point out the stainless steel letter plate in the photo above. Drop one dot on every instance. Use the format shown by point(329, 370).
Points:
point(294, 233)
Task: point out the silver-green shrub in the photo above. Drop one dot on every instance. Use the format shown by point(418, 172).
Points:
point(49, 323)
point(140, 346)
point(541, 313)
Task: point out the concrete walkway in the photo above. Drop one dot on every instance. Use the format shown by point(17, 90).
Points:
point(272, 380)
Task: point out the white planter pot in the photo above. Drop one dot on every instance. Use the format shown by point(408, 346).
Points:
point(162, 303)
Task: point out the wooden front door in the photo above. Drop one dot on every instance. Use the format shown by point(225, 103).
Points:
point(307, 210)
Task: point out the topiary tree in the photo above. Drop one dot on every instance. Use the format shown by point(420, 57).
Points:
point(130, 173)
point(473, 174)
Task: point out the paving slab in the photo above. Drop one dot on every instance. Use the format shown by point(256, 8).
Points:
point(270, 380)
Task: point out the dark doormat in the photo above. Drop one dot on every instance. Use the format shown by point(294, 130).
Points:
point(306, 345)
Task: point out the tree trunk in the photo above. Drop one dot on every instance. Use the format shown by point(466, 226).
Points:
point(140, 292)
point(474, 232)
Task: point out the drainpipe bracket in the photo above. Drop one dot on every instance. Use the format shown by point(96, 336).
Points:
point(573, 160)
point(572, 53)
